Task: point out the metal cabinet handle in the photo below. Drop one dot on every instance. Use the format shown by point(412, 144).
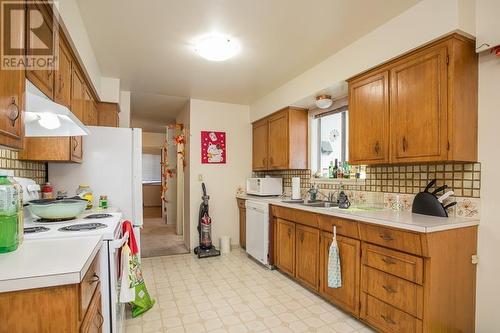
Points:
point(264, 161)
point(405, 143)
point(289, 232)
point(95, 278)
point(386, 237)
point(301, 237)
point(388, 261)
point(13, 111)
point(271, 160)
point(377, 147)
point(389, 289)
point(75, 143)
point(101, 317)
point(388, 319)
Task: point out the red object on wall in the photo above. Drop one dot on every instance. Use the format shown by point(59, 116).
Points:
point(213, 147)
point(496, 50)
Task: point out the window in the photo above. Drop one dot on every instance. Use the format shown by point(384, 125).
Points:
point(329, 139)
point(151, 168)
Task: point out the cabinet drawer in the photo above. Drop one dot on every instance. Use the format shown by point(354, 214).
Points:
point(306, 218)
point(88, 285)
point(241, 203)
point(93, 318)
point(347, 228)
point(387, 318)
point(396, 263)
point(283, 213)
point(405, 241)
point(395, 291)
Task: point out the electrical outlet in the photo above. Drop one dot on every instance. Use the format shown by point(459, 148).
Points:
point(200, 177)
point(475, 259)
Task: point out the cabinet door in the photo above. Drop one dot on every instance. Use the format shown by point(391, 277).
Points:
point(307, 256)
point(42, 78)
point(347, 296)
point(76, 146)
point(77, 94)
point(278, 141)
point(12, 86)
point(87, 108)
point(419, 107)
point(369, 119)
point(94, 319)
point(285, 247)
point(243, 226)
point(260, 143)
point(62, 84)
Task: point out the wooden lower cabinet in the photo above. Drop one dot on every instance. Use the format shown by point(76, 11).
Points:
point(395, 280)
point(285, 246)
point(307, 256)
point(243, 222)
point(68, 308)
point(347, 296)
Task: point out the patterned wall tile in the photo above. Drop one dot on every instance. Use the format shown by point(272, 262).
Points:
point(9, 159)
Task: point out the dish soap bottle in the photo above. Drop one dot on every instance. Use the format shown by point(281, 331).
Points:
point(9, 215)
point(85, 192)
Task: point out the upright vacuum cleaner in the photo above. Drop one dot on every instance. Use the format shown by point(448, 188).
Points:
point(206, 248)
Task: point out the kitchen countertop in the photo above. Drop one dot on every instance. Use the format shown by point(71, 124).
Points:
point(40, 263)
point(386, 217)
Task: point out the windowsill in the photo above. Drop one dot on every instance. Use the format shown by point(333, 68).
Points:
point(343, 181)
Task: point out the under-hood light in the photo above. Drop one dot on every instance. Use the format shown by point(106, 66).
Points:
point(46, 118)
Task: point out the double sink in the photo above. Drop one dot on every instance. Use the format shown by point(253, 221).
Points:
point(329, 204)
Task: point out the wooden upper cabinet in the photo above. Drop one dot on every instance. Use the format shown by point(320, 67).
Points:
point(419, 107)
point(42, 78)
point(62, 83)
point(77, 94)
point(347, 296)
point(369, 119)
point(280, 140)
point(307, 256)
point(89, 109)
point(260, 142)
point(108, 114)
point(12, 87)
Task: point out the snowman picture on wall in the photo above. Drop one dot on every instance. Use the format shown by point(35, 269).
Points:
point(214, 152)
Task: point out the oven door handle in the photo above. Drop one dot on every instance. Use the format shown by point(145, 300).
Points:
point(116, 244)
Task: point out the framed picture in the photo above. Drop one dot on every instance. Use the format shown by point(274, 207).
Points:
point(213, 147)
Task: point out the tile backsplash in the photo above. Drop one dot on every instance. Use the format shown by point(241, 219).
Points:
point(9, 159)
point(386, 184)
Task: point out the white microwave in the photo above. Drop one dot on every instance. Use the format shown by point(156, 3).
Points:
point(265, 186)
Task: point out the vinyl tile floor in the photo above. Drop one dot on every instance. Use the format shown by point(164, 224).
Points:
point(234, 294)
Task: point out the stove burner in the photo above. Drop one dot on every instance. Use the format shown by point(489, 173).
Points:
point(34, 230)
point(42, 220)
point(98, 216)
point(83, 227)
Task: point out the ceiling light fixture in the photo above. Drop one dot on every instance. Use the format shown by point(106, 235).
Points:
point(324, 101)
point(216, 47)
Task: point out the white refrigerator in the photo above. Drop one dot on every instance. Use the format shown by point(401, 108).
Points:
point(112, 166)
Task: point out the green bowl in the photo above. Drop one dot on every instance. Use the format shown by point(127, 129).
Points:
point(57, 209)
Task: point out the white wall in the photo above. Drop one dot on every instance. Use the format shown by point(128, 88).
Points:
point(488, 283)
point(184, 117)
point(422, 23)
point(110, 90)
point(124, 109)
point(222, 180)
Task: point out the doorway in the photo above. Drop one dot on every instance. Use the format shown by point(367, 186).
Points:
point(160, 235)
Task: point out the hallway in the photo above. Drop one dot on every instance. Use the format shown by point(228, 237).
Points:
point(158, 238)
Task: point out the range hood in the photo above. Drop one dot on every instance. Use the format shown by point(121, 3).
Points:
point(44, 117)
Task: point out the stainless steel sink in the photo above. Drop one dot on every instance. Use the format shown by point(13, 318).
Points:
point(293, 201)
point(320, 204)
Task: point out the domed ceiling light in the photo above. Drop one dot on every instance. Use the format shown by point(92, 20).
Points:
point(324, 101)
point(217, 47)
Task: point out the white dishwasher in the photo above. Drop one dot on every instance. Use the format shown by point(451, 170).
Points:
point(257, 230)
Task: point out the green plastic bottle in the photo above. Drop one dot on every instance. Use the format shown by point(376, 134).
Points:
point(9, 209)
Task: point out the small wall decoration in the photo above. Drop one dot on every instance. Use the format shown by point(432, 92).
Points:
point(213, 147)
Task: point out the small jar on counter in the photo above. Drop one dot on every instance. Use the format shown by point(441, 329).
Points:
point(47, 191)
point(103, 201)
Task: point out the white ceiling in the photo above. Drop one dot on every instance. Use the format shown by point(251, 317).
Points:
point(148, 44)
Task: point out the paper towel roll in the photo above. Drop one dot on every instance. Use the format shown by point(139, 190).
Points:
point(295, 188)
